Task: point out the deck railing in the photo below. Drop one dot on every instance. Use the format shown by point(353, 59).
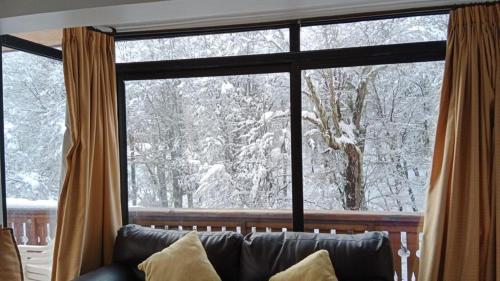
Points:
point(37, 226)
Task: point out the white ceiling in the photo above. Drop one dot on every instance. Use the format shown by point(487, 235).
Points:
point(18, 16)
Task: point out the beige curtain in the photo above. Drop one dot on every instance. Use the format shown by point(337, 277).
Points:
point(461, 228)
point(89, 205)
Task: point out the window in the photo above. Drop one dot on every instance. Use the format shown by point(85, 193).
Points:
point(368, 135)
point(34, 106)
point(225, 142)
point(202, 46)
point(210, 142)
point(375, 32)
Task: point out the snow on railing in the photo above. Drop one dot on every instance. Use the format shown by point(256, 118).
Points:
point(37, 226)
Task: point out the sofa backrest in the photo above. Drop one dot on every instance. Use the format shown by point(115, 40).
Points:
point(359, 257)
point(134, 244)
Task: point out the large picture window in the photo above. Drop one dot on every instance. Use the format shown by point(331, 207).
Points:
point(226, 141)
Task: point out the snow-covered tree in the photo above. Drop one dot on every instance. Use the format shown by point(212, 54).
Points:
point(34, 123)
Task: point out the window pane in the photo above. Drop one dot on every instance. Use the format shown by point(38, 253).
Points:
point(217, 142)
point(214, 45)
point(368, 135)
point(376, 32)
point(34, 124)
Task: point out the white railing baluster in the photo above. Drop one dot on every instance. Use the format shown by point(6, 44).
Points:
point(268, 229)
point(254, 229)
point(404, 253)
point(209, 228)
point(179, 227)
point(333, 231)
point(24, 238)
point(223, 228)
point(284, 229)
point(48, 238)
point(420, 241)
point(13, 230)
point(238, 229)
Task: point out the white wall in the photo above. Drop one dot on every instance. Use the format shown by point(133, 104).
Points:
point(9, 8)
point(26, 16)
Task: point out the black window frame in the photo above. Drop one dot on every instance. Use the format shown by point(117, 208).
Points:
point(17, 44)
point(293, 62)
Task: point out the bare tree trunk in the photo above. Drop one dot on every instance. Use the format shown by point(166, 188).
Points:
point(353, 186)
point(190, 200)
point(176, 188)
point(162, 183)
point(133, 177)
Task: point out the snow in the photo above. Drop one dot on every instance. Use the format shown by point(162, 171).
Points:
point(214, 172)
point(310, 115)
point(268, 116)
point(345, 140)
point(226, 87)
point(31, 179)
point(21, 203)
point(348, 129)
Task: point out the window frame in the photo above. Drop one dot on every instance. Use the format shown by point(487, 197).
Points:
point(294, 62)
point(22, 45)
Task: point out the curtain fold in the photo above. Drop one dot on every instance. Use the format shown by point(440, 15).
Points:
point(89, 212)
point(461, 227)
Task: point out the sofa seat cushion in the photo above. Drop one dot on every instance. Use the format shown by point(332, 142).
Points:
point(359, 257)
point(113, 272)
point(134, 244)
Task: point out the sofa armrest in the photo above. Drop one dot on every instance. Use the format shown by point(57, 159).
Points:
point(114, 272)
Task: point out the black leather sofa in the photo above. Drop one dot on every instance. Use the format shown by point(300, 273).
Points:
point(255, 257)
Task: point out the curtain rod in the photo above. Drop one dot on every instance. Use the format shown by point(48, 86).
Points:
point(111, 33)
point(484, 3)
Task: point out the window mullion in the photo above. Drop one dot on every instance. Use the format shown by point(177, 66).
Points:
point(296, 137)
point(3, 193)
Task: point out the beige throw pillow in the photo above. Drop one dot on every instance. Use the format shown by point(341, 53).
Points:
point(315, 267)
point(184, 260)
point(10, 260)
